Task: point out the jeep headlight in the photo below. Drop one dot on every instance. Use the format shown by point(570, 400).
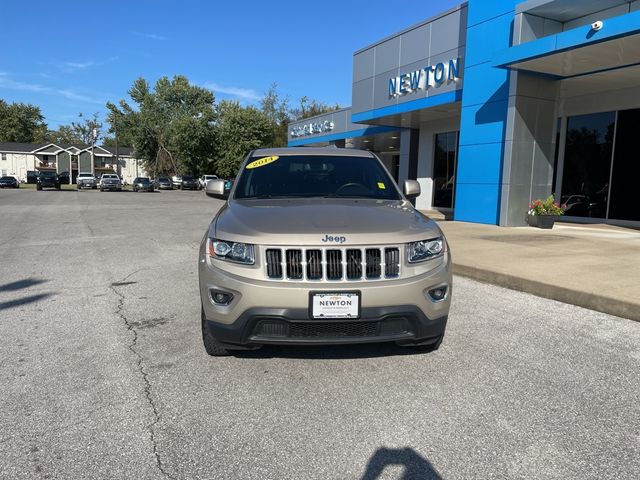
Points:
point(424, 249)
point(233, 251)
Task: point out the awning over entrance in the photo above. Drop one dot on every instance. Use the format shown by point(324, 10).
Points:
point(581, 51)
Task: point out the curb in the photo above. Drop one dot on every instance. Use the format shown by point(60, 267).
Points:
point(591, 301)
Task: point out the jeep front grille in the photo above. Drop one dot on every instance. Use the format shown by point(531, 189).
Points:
point(333, 264)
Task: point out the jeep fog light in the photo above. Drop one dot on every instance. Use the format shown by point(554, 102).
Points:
point(439, 293)
point(220, 298)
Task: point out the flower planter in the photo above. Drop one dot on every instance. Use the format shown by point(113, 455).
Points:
point(542, 221)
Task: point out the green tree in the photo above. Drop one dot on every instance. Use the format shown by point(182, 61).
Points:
point(77, 132)
point(21, 122)
point(311, 108)
point(240, 130)
point(277, 109)
point(172, 128)
point(64, 135)
point(84, 128)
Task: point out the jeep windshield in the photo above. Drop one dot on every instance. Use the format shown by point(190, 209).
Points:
point(327, 176)
point(48, 174)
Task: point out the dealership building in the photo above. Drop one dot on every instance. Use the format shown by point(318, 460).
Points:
point(497, 102)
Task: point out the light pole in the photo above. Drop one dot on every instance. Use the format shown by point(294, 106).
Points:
point(94, 136)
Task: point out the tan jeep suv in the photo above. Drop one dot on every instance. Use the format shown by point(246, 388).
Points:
point(319, 246)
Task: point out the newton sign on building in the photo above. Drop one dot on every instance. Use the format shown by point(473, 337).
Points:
point(425, 78)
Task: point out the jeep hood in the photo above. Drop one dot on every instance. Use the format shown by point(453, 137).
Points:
point(309, 221)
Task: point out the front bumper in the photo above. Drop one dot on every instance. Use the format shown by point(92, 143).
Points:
point(111, 186)
point(268, 312)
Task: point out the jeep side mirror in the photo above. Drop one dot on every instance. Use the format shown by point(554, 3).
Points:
point(411, 189)
point(215, 189)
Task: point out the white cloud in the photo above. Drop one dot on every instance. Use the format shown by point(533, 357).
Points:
point(151, 36)
point(70, 67)
point(8, 83)
point(79, 65)
point(246, 94)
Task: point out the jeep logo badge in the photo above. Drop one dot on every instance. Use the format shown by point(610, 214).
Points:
point(334, 239)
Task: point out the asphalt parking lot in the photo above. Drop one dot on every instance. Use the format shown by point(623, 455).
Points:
point(103, 374)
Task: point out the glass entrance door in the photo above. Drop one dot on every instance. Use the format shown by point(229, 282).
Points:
point(602, 166)
point(587, 164)
point(445, 162)
point(625, 175)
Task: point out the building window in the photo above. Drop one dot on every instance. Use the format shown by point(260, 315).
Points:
point(4, 157)
point(445, 161)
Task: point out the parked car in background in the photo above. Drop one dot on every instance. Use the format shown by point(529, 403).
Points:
point(189, 182)
point(177, 181)
point(110, 181)
point(48, 180)
point(204, 179)
point(165, 183)
point(86, 180)
point(9, 182)
point(142, 184)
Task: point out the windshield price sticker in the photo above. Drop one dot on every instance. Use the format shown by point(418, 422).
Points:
point(261, 162)
point(335, 305)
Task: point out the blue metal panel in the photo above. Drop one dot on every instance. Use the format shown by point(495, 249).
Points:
point(484, 113)
point(483, 123)
point(478, 48)
point(484, 85)
point(342, 135)
point(479, 203)
point(485, 10)
point(418, 104)
point(614, 28)
point(477, 169)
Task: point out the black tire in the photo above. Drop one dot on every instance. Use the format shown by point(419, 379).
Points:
point(94, 187)
point(101, 189)
point(38, 188)
point(211, 345)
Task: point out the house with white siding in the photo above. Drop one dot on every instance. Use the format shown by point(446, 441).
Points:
point(23, 160)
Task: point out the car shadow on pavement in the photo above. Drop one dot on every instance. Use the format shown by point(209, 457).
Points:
point(414, 465)
point(21, 284)
point(369, 350)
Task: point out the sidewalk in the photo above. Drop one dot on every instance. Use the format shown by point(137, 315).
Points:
point(592, 266)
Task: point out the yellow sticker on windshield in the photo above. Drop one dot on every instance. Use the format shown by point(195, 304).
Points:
point(381, 186)
point(261, 162)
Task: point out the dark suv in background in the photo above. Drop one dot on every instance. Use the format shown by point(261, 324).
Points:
point(48, 180)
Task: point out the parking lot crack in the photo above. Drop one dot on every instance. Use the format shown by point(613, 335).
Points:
point(143, 373)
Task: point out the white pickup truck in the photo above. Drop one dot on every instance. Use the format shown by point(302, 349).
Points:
point(86, 180)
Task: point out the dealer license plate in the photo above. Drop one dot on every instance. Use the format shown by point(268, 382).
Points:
point(335, 305)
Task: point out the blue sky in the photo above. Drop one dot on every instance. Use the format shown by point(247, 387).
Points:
point(72, 56)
